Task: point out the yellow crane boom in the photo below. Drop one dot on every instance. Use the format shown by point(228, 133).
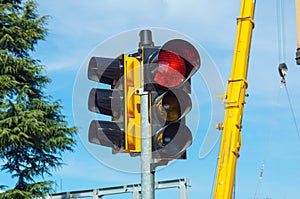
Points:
point(297, 3)
point(234, 104)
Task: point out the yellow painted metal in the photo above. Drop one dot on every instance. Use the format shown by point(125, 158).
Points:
point(132, 118)
point(234, 104)
point(298, 22)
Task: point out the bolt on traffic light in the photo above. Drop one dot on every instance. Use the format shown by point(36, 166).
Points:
point(168, 71)
point(122, 134)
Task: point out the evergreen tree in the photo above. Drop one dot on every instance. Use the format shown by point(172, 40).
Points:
point(33, 131)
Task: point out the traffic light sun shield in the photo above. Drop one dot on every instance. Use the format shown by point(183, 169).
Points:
point(106, 101)
point(104, 70)
point(173, 64)
point(172, 141)
point(171, 106)
point(106, 133)
point(186, 51)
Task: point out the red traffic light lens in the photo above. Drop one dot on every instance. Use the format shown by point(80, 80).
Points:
point(177, 60)
point(171, 70)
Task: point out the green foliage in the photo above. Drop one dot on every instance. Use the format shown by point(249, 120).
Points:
point(33, 131)
point(35, 190)
point(21, 28)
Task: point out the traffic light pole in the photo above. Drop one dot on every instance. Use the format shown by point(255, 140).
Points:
point(147, 175)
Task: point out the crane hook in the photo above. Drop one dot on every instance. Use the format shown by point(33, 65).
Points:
point(283, 70)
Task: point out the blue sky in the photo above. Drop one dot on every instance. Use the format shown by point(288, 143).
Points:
point(77, 27)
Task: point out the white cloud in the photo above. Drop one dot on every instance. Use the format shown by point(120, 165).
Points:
point(65, 64)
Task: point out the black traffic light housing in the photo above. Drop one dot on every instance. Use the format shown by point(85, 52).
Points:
point(168, 71)
point(107, 102)
point(122, 133)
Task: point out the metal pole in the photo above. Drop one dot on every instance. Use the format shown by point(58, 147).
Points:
point(147, 176)
point(184, 189)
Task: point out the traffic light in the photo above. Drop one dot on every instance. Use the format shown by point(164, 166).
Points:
point(168, 71)
point(121, 102)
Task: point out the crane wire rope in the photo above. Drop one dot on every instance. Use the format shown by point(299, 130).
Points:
point(283, 84)
point(267, 148)
point(281, 42)
point(292, 111)
point(281, 30)
point(282, 52)
point(282, 57)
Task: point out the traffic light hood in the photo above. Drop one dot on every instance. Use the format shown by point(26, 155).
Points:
point(172, 64)
point(105, 70)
